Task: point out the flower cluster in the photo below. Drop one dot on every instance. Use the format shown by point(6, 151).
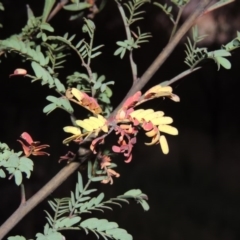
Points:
point(126, 124)
point(81, 98)
point(106, 165)
point(31, 147)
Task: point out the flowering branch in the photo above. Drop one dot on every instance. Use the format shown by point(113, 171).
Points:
point(60, 177)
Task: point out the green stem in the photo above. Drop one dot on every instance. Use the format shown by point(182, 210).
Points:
point(23, 195)
point(129, 37)
point(85, 188)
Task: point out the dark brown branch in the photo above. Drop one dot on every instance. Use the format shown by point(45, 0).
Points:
point(157, 63)
point(45, 191)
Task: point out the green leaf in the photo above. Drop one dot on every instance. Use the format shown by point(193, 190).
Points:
point(97, 179)
point(44, 37)
point(89, 191)
point(224, 62)
point(83, 199)
point(26, 166)
point(221, 53)
point(52, 235)
point(49, 108)
point(97, 85)
point(123, 53)
point(59, 85)
point(122, 44)
point(47, 9)
point(47, 27)
point(17, 238)
point(133, 192)
point(76, 16)
point(18, 177)
point(29, 12)
point(108, 92)
point(23, 168)
point(53, 99)
point(77, 6)
point(72, 221)
point(89, 169)
point(80, 182)
point(118, 51)
point(145, 205)
point(73, 198)
point(2, 174)
point(99, 198)
point(103, 87)
point(66, 104)
point(27, 162)
point(13, 161)
point(104, 98)
point(95, 54)
point(37, 69)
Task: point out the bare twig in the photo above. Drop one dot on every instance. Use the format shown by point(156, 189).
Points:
point(23, 196)
point(182, 75)
point(176, 23)
point(129, 37)
point(217, 5)
point(59, 6)
point(157, 63)
point(46, 190)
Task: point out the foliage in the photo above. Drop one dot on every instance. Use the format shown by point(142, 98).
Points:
point(167, 9)
point(195, 55)
point(47, 52)
point(14, 163)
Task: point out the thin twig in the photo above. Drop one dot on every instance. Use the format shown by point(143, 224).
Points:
point(23, 195)
point(181, 75)
point(45, 191)
point(129, 37)
point(88, 68)
point(59, 6)
point(157, 63)
point(217, 5)
point(176, 22)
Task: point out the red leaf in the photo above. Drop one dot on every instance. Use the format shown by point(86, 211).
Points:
point(25, 136)
point(26, 149)
point(147, 126)
point(129, 159)
point(133, 140)
point(116, 149)
point(132, 101)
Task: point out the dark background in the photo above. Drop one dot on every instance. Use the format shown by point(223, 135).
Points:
point(194, 191)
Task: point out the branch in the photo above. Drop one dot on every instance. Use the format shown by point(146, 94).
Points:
point(157, 63)
point(46, 190)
